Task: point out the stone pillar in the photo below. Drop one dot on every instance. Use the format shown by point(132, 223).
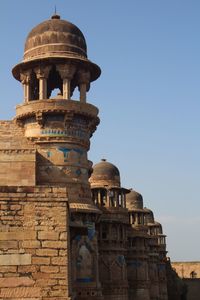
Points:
point(25, 80)
point(66, 72)
point(42, 74)
point(136, 219)
point(84, 84)
point(123, 200)
point(99, 197)
point(116, 198)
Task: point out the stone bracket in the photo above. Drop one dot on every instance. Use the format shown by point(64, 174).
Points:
point(40, 119)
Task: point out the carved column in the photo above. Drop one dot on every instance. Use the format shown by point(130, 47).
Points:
point(25, 80)
point(42, 74)
point(66, 72)
point(84, 84)
point(99, 197)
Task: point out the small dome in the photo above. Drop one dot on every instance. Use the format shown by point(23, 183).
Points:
point(149, 217)
point(105, 174)
point(55, 37)
point(134, 200)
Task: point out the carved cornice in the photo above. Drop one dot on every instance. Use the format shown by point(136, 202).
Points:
point(40, 118)
point(47, 139)
point(18, 151)
point(63, 106)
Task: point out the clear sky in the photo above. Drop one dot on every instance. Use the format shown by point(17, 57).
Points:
point(148, 96)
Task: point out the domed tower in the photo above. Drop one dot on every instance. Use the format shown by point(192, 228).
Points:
point(157, 257)
point(110, 198)
point(59, 130)
point(137, 257)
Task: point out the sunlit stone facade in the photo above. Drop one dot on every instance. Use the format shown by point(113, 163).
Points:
point(64, 233)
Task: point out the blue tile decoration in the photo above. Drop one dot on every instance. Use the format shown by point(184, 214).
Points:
point(78, 172)
point(121, 259)
point(84, 264)
point(48, 153)
point(59, 132)
point(78, 237)
point(91, 229)
point(64, 150)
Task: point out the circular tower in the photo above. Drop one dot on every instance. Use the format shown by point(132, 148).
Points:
point(59, 129)
point(110, 198)
point(137, 256)
point(157, 257)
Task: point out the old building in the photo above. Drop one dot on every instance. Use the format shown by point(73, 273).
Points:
point(63, 235)
point(189, 272)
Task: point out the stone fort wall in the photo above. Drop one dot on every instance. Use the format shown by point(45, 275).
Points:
point(190, 273)
point(189, 269)
point(34, 243)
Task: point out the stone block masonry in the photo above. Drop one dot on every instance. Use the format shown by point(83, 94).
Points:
point(34, 244)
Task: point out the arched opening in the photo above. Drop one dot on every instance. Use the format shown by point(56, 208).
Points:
point(75, 92)
point(193, 274)
point(111, 198)
point(34, 87)
point(56, 93)
point(103, 194)
point(95, 196)
point(54, 82)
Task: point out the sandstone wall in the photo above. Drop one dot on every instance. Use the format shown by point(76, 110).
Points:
point(34, 243)
point(186, 269)
point(17, 156)
point(12, 136)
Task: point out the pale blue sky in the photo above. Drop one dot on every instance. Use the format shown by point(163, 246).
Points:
point(148, 96)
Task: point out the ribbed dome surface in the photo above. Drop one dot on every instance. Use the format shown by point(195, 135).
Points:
point(134, 200)
point(53, 42)
point(55, 37)
point(105, 173)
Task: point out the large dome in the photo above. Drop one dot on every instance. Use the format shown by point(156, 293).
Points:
point(105, 174)
point(134, 200)
point(56, 41)
point(55, 37)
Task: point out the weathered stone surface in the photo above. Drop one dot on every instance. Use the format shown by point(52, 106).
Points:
point(54, 244)
point(59, 236)
point(49, 269)
point(41, 260)
point(8, 244)
point(20, 292)
point(18, 235)
point(15, 259)
point(187, 269)
point(47, 252)
point(16, 282)
point(59, 261)
point(48, 235)
point(31, 244)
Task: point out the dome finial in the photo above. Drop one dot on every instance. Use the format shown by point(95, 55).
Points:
point(55, 16)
